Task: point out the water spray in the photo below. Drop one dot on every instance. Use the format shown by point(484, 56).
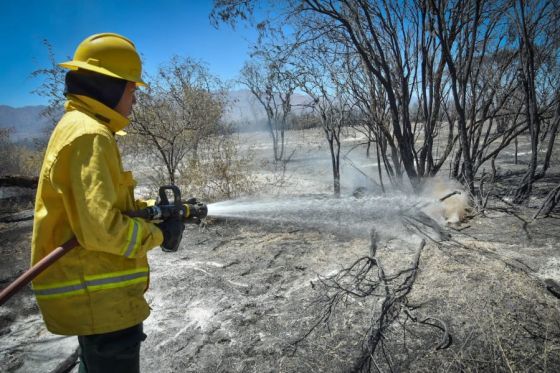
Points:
point(348, 214)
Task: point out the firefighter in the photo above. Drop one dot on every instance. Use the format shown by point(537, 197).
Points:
point(96, 291)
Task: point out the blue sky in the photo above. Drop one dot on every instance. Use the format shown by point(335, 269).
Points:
point(159, 28)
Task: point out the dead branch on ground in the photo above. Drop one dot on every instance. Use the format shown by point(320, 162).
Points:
point(365, 278)
point(549, 203)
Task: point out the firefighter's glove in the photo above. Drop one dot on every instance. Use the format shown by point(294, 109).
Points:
point(172, 230)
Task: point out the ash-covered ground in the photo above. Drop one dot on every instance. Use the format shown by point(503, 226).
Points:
point(241, 293)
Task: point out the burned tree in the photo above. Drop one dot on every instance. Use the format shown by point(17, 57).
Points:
point(374, 30)
point(322, 76)
point(466, 30)
point(382, 37)
point(270, 84)
point(533, 24)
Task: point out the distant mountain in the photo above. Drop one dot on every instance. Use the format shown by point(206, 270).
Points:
point(27, 121)
point(244, 110)
point(243, 107)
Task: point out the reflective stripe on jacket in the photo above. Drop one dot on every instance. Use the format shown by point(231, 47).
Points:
point(99, 286)
point(91, 283)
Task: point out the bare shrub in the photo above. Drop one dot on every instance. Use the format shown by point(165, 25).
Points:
point(29, 160)
point(51, 88)
point(219, 171)
point(180, 108)
point(7, 161)
point(18, 159)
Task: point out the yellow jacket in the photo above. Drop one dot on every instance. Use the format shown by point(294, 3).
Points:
point(99, 286)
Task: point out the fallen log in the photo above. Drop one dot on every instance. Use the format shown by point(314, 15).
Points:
point(17, 216)
point(19, 181)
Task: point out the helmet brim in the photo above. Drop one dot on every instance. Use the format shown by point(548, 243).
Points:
point(75, 65)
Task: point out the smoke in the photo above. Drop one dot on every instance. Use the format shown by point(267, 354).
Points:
point(452, 209)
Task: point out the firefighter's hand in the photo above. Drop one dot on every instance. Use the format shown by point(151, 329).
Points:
point(172, 230)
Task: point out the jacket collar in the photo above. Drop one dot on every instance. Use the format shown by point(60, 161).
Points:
point(109, 117)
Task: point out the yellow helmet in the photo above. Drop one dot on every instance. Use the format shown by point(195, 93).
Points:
point(108, 54)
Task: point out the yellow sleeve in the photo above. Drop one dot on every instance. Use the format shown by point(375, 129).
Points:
point(90, 191)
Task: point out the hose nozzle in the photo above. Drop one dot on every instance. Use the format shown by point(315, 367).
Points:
point(196, 209)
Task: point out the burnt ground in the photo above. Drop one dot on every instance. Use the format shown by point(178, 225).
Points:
point(239, 296)
point(253, 291)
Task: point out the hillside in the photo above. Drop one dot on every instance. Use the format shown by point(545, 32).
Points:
point(27, 121)
point(244, 111)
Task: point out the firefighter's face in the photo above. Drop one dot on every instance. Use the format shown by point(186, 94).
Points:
point(128, 99)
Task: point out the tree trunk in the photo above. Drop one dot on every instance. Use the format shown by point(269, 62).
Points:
point(552, 139)
point(528, 76)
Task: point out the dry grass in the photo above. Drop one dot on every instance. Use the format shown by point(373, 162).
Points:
point(500, 318)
